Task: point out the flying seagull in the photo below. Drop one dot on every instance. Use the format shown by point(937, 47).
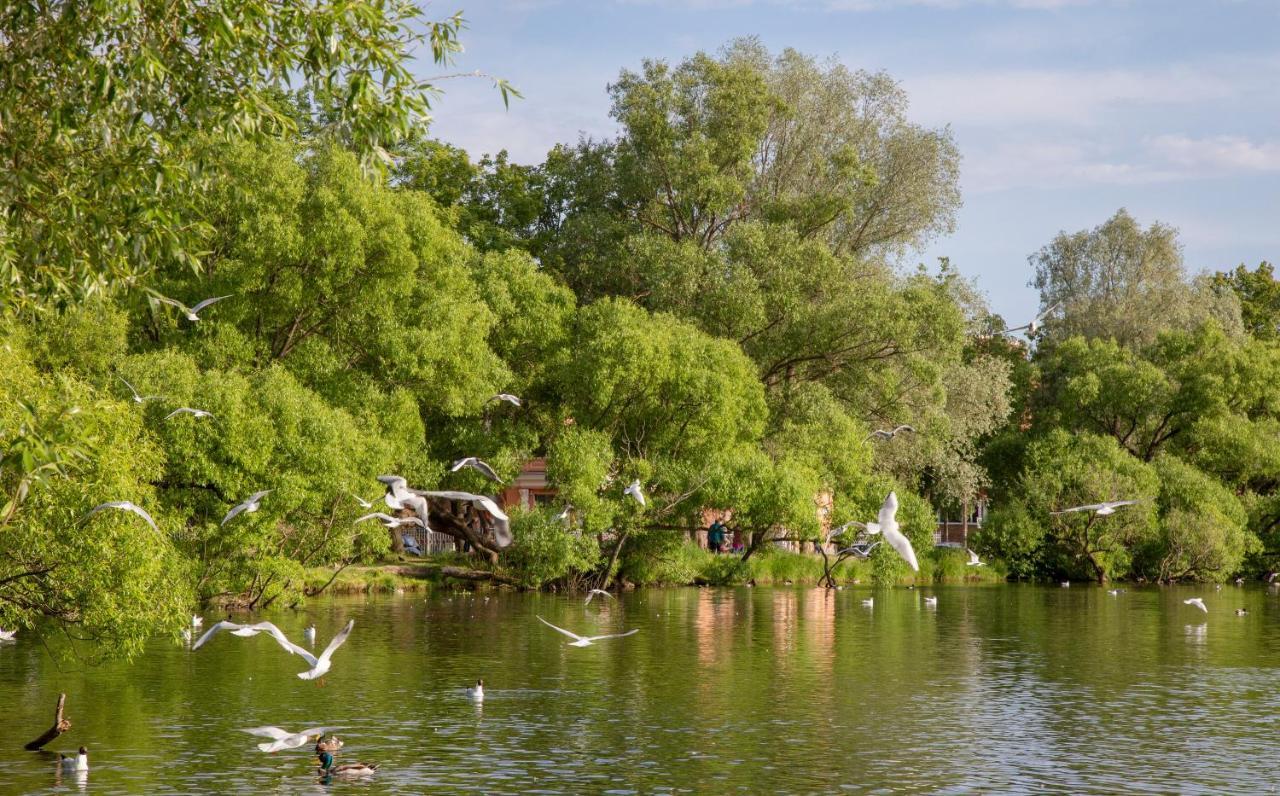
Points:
point(283, 738)
point(477, 465)
point(1101, 509)
point(591, 595)
point(124, 505)
point(564, 514)
point(392, 522)
point(237, 629)
point(399, 496)
point(974, 561)
point(1197, 602)
point(199, 413)
point(249, 506)
point(1034, 326)
point(890, 434)
point(192, 313)
point(887, 524)
point(508, 397)
point(634, 491)
point(137, 398)
point(585, 641)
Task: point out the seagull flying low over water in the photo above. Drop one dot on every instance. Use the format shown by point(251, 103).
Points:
point(1034, 326)
point(283, 738)
point(237, 629)
point(319, 665)
point(1197, 602)
point(508, 397)
point(197, 413)
point(1101, 509)
point(890, 433)
point(137, 398)
point(634, 491)
point(192, 313)
point(123, 505)
point(477, 465)
point(974, 561)
point(249, 506)
point(591, 594)
point(586, 641)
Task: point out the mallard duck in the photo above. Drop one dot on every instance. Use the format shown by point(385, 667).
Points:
point(328, 769)
point(78, 763)
point(477, 693)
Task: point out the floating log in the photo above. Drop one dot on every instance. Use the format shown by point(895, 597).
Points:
point(60, 725)
point(475, 574)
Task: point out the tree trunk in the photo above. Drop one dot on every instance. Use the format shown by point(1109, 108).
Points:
point(613, 559)
point(60, 725)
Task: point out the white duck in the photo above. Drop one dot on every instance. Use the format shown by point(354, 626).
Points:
point(78, 763)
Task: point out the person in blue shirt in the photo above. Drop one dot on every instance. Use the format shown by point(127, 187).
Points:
point(715, 537)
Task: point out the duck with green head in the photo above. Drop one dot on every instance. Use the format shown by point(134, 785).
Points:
point(328, 767)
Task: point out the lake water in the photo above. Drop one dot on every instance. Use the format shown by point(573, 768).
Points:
point(790, 690)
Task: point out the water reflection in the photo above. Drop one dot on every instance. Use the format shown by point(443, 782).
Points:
point(1001, 689)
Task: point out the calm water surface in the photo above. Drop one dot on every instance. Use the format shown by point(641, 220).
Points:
point(999, 689)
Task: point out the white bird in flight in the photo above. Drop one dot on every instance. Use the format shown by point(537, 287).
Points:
point(890, 433)
point(564, 514)
point(591, 595)
point(1101, 509)
point(364, 504)
point(974, 561)
point(197, 413)
point(192, 313)
point(477, 465)
point(1197, 602)
point(321, 664)
point(501, 522)
point(249, 506)
point(1034, 326)
point(586, 641)
point(508, 397)
point(391, 522)
point(283, 738)
point(399, 496)
point(861, 551)
point(137, 398)
point(237, 629)
point(887, 524)
point(124, 505)
point(634, 491)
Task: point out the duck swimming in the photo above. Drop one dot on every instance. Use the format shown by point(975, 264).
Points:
point(329, 769)
point(477, 693)
point(78, 763)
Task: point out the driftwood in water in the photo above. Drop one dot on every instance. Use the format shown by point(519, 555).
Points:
point(60, 725)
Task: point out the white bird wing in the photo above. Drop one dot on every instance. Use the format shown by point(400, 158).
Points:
point(1118, 503)
point(508, 397)
point(872, 528)
point(396, 483)
point(460, 463)
point(364, 504)
point(282, 640)
point(127, 506)
point(614, 635)
point(206, 303)
point(377, 515)
point(484, 469)
point(904, 427)
point(173, 303)
point(188, 410)
point(568, 633)
point(634, 491)
point(973, 557)
point(268, 732)
point(136, 396)
point(1045, 313)
point(218, 627)
point(1088, 507)
point(889, 528)
point(257, 496)
point(234, 511)
point(337, 641)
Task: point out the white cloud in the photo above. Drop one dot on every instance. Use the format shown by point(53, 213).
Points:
point(1217, 153)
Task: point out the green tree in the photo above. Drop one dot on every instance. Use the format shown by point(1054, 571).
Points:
point(1259, 296)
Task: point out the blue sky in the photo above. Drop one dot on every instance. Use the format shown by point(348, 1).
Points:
point(1064, 110)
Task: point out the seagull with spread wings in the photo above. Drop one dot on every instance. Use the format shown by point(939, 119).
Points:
point(507, 397)
point(1101, 509)
point(476, 464)
point(186, 410)
point(192, 313)
point(248, 507)
point(391, 522)
point(283, 739)
point(591, 595)
point(881, 433)
point(586, 641)
point(1034, 326)
point(635, 491)
point(137, 397)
